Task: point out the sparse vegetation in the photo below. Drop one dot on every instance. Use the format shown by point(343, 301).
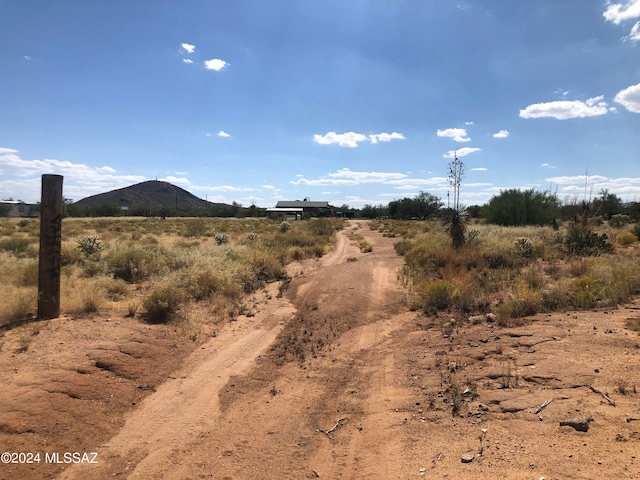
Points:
point(157, 267)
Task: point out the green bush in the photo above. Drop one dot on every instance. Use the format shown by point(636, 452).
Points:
point(134, 264)
point(20, 247)
point(584, 242)
point(91, 245)
point(403, 246)
point(583, 295)
point(619, 220)
point(436, 295)
point(524, 246)
point(162, 304)
point(285, 226)
point(221, 238)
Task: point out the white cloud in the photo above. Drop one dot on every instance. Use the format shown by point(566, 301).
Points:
point(187, 60)
point(346, 176)
point(80, 180)
point(479, 169)
point(630, 98)
point(349, 139)
point(547, 165)
point(188, 48)
point(618, 12)
point(463, 152)
point(457, 134)
point(222, 133)
point(501, 134)
point(634, 35)
point(215, 64)
point(468, 123)
point(626, 187)
point(565, 109)
point(385, 137)
point(352, 139)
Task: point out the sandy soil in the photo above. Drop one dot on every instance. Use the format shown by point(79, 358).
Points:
point(336, 380)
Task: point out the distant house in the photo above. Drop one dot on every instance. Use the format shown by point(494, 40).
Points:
point(18, 208)
point(298, 209)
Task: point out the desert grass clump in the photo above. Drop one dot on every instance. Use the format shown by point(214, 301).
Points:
point(135, 264)
point(626, 238)
point(436, 295)
point(30, 274)
point(18, 307)
point(195, 228)
point(162, 304)
point(19, 247)
point(403, 246)
point(584, 292)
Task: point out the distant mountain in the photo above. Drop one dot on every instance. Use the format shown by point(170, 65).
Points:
point(152, 197)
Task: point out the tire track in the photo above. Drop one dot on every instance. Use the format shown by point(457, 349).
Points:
point(186, 405)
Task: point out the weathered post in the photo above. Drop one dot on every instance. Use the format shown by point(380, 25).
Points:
point(50, 247)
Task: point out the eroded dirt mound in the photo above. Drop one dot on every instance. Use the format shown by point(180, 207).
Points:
point(68, 383)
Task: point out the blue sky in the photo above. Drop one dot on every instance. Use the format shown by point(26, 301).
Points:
point(350, 101)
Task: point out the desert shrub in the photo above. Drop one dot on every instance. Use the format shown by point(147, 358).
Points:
point(91, 245)
point(221, 238)
point(133, 264)
point(204, 284)
point(195, 228)
point(524, 246)
point(115, 288)
point(436, 295)
point(91, 301)
point(296, 253)
point(92, 268)
point(619, 220)
point(321, 227)
point(285, 226)
point(266, 266)
point(583, 295)
point(636, 230)
point(472, 236)
point(554, 299)
point(626, 238)
point(365, 247)
point(18, 306)
point(403, 246)
point(70, 255)
point(525, 302)
point(20, 247)
point(252, 237)
point(584, 242)
point(30, 274)
point(162, 304)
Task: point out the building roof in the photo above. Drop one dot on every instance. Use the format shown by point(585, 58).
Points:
point(284, 210)
point(301, 204)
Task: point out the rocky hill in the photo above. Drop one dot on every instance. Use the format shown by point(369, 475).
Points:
point(152, 197)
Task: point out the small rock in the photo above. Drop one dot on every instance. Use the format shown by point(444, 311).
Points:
point(482, 407)
point(467, 458)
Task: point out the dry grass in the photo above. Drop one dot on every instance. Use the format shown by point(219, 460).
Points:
point(162, 269)
point(514, 272)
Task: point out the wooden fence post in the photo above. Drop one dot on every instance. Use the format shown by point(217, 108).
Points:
point(50, 247)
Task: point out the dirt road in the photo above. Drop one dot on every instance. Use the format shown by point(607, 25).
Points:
point(337, 380)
